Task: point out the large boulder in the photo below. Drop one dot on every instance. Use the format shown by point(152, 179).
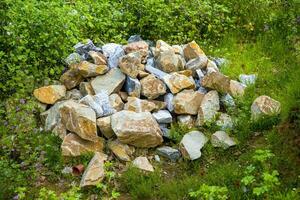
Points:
point(192, 50)
point(265, 106)
point(111, 82)
point(50, 94)
point(139, 105)
point(177, 82)
point(191, 144)
point(80, 119)
point(187, 102)
point(152, 87)
point(137, 129)
point(222, 139)
point(87, 69)
point(73, 145)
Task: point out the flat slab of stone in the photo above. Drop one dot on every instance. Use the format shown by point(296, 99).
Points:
point(169, 153)
point(187, 102)
point(265, 106)
point(139, 105)
point(177, 82)
point(122, 151)
point(143, 164)
point(50, 94)
point(163, 116)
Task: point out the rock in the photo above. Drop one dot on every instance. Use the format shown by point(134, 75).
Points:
point(87, 69)
point(84, 48)
point(200, 74)
point(169, 152)
point(211, 67)
point(142, 74)
point(139, 46)
point(192, 50)
point(265, 106)
point(116, 102)
point(152, 87)
point(221, 139)
point(187, 102)
point(111, 82)
point(165, 132)
point(224, 122)
point(177, 49)
point(71, 78)
point(95, 171)
point(73, 94)
point(138, 105)
point(177, 82)
point(122, 151)
point(216, 81)
point(227, 100)
point(80, 119)
point(168, 62)
point(73, 58)
point(113, 60)
point(159, 105)
point(123, 95)
point(143, 164)
point(137, 129)
point(220, 61)
point(163, 116)
point(130, 64)
point(73, 145)
point(168, 98)
point(86, 89)
point(50, 94)
point(158, 73)
point(104, 124)
point(191, 144)
point(134, 38)
point(157, 158)
point(98, 58)
point(133, 87)
point(197, 63)
point(186, 120)
point(109, 49)
point(247, 79)
point(208, 108)
point(161, 47)
point(236, 88)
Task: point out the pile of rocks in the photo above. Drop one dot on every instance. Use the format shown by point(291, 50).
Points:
point(126, 97)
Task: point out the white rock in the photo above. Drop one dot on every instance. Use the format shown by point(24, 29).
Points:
point(143, 164)
point(247, 79)
point(221, 139)
point(163, 116)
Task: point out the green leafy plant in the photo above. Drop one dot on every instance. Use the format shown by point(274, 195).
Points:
point(206, 192)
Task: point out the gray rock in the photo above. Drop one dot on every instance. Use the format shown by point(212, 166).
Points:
point(224, 122)
point(163, 116)
point(165, 132)
point(220, 61)
point(84, 48)
point(156, 72)
point(133, 87)
point(113, 60)
point(187, 120)
point(73, 94)
point(264, 106)
point(157, 158)
point(227, 100)
point(197, 63)
point(169, 152)
point(86, 88)
point(134, 38)
point(73, 58)
point(168, 98)
point(247, 79)
point(109, 49)
point(221, 139)
point(211, 67)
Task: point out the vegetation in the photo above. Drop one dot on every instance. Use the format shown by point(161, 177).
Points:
point(257, 36)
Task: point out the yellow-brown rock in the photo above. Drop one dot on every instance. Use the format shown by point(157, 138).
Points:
point(87, 69)
point(187, 102)
point(71, 78)
point(152, 87)
point(104, 124)
point(216, 81)
point(50, 94)
point(177, 82)
point(265, 106)
point(116, 102)
point(99, 58)
point(122, 151)
point(139, 105)
point(192, 50)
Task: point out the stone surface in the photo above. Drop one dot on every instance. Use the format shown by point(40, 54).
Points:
point(168, 98)
point(152, 87)
point(113, 60)
point(169, 152)
point(111, 82)
point(71, 78)
point(86, 89)
point(116, 102)
point(95, 171)
point(177, 49)
point(197, 63)
point(109, 49)
point(130, 64)
point(80, 119)
point(143, 164)
point(73, 94)
point(247, 79)
point(221, 139)
point(192, 50)
point(163, 116)
point(227, 100)
point(50, 94)
point(236, 88)
point(159, 105)
point(161, 47)
point(137, 129)
point(83, 48)
point(168, 62)
point(133, 87)
point(187, 120)
point(139, 46)
point(177, 82)
point(73, 145)
point(187, 102)
point(73, 58)
point(265, 106)
point(104, 124)
point(216, 81)
point(224, 121)
point(134, 38)
point(191, 144)
point(122, 151)
point(139, 105)
point(208, 108)
point(98, 58)
point(87, 69)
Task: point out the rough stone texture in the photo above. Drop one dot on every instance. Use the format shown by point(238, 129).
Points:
point(95, 171)
point(191, 144)
point(123, 95)
point(98, 58)
point(130, 64)
point(142, 74)
point(109, 49)
point(163, 116)
point(168, 98)
point(197, 63)
point(224, 122)
point(134, 38)
point(247, 79)
point(104, 124)
point(211, 67)
point(86, 88)
point(111, 82)
point(177, 82)
point(133, 87)
point(149, 67)
point(221, 139)
point(169, 152)
point(161, 47)
point(208, 108)
point(178, 49)
point(113, 60)
point(73, 94)
point(159, 105)
point(168, 62)
point(50, 94)
point(137, 129)
point(73, 58)
point(192, 50)
point(187, 120)
point(227, 100)
point(122, 151)
point(71, 78)
point(187, 102)
point(236, 88)
point(116, 102)
point(216, 81)
point(80, 119)
point(152, 87)
point(73, 145)
point(139, 46)
point(139, 105)
point(84, 48)
point(143, 164)
point(265, 106)
point(87, 69)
